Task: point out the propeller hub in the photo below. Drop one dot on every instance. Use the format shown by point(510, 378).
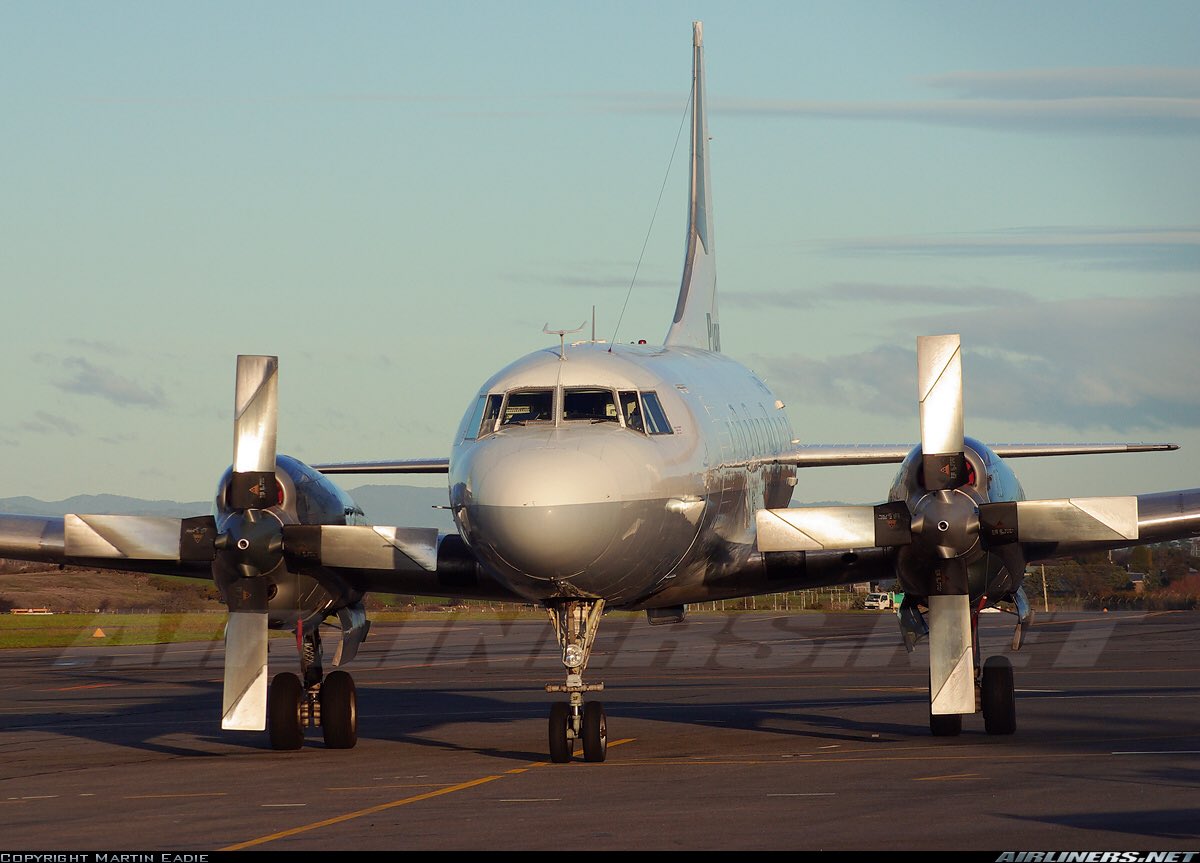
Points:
point(251, 543)
point(946, 524)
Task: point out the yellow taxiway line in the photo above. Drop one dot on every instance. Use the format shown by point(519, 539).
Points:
point(382, 807)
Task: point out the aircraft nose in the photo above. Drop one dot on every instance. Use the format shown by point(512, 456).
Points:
point(548, 514)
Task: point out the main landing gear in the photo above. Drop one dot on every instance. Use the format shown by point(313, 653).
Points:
point(575, 623)
point(327, 700)
point(995, 694)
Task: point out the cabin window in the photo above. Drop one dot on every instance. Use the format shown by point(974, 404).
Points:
point(632, 411)
point(525, 406)
point(656, 418)
point(490, 414)
point(589, 403)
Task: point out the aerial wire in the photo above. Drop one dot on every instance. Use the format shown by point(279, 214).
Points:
point(657, 203)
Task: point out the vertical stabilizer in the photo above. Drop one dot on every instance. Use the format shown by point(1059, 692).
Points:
point(696, 324)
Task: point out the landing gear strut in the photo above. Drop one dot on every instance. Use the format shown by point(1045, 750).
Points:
point(575, 623)
point(325, 700)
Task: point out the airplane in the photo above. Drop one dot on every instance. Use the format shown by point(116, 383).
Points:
point(588, 477)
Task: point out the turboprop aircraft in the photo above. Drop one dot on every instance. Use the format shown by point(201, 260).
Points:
point(587, 477)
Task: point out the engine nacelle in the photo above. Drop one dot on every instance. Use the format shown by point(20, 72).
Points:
point(303, 496)
point(953, 515)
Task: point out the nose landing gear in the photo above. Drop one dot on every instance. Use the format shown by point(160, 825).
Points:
point(575, 623)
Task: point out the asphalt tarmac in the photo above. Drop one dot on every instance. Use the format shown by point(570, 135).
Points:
point(748, 731)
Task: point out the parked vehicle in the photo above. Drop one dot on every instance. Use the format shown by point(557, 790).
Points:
point(879, 602)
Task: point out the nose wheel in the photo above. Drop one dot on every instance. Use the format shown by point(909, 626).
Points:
point(575, 623)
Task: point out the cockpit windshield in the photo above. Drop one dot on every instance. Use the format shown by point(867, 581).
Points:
point(656, 417)
point(525, 406)
point(632, 410)
point(589, 403)
point(638, 411)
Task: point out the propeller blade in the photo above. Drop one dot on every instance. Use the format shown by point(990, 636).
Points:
point(951, 661)
point(136, 537)
point(820, 528)
point(254, 427)
point(363, 547)
point(1077, 519)
point(244, 700)
point(939, 389)
point(251, 545)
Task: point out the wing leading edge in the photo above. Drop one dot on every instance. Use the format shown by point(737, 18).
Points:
point(834, 455)
point(407, 465)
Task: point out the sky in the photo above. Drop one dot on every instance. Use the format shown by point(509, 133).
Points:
point(396, 197)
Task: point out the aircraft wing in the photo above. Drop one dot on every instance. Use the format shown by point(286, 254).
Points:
point(408, 465)
point(1046, 528)
point(385, 559)
point(376, 558)
point(834, 455)
point(170, 546)
point(1160, 517)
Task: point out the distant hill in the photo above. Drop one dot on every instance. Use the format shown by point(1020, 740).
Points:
point(409, 506)
point(113, 504)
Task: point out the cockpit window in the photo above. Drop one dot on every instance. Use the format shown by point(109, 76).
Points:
point(590, 403)
point(490, 414)
point(656, 418)
point(471, 426)
point(631, 410)
point(525, 406)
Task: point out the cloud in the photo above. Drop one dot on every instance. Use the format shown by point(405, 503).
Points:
point(1133, 100)
point(108, 348)
point(1154, 249)
point(1126, 115)
point(862, 292)
point(91, 380)
point(48, 423)
point(599, 280)
point(1073, 83)
point(1097, 363)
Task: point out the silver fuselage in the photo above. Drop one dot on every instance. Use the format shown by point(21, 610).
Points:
point(556, 506)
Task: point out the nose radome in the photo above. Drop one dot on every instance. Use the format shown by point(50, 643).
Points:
point(548, 513)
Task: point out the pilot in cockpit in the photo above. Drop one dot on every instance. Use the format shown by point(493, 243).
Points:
point(633, 416)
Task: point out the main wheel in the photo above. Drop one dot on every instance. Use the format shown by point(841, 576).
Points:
point(595, 732)
point(339, 711)
point(283, 711)
point(998, 697)
point(562, 747)
point(945, 724)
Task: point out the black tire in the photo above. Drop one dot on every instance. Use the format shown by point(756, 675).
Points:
point(998, 697)
point(283, 711)
point(339, 711)
point(945, 724)
point(595, 732)
point(562, 747)
point(942, 724)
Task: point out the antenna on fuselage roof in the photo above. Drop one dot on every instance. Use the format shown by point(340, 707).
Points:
point(562, 337)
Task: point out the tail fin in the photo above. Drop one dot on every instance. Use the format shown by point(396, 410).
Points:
point(696, 323)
